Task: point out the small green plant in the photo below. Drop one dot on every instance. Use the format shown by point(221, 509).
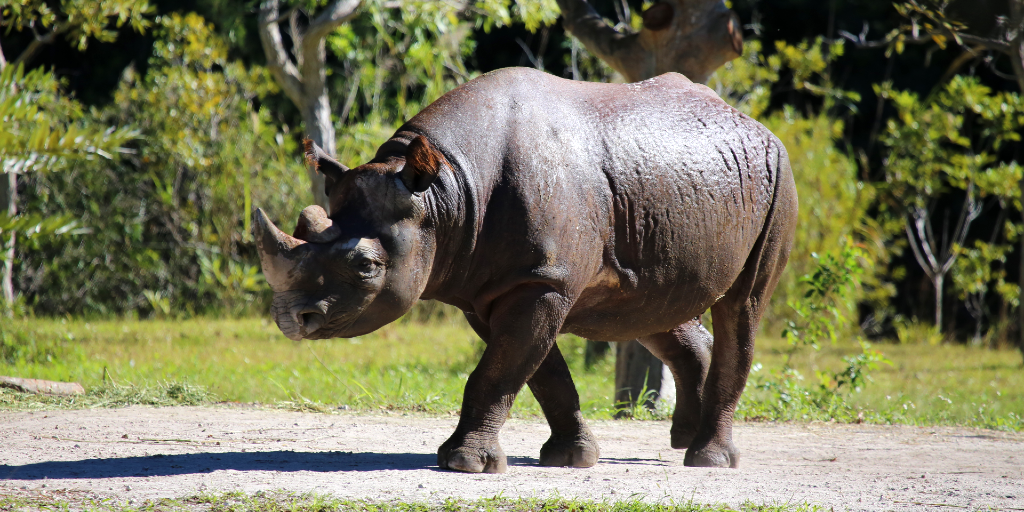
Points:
point(818, 317)
point(639, 409)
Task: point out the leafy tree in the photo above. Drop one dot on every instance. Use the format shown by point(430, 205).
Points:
point(42, 127)
point(173, 233)
point(945, 143)
point(927, 22)
point(976, 270)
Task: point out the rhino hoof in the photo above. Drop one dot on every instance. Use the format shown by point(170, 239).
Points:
point(473, 460)
point(681, 439)
point(713, 456)
point(574, 452)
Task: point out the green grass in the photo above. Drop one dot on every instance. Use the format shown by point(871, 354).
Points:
point(927, 384)
point(406, 365)
point(289, 502)
point(422, 366)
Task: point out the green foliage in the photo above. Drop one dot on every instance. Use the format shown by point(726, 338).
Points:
point(395, 62)
point(43, 127)
point(819, 313)
point(944, 145)
point(489, 14)
point(747, 82)
point(950, 140)
point(818, 316)
point(174, 233)
point(929, 17)
point(79, 20)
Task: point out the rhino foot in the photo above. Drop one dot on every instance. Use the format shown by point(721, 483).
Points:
point(713, 455)
point(682, 438)
point(489, 459)
point(578, 451)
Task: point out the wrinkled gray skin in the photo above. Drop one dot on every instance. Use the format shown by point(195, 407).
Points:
point(541, 206)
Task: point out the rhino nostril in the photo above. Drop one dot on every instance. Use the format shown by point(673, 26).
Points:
point(311, 321)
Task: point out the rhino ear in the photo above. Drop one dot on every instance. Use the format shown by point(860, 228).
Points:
point(332, 169)
point(422, 165)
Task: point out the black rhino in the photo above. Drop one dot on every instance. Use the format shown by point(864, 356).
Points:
point(540, 206)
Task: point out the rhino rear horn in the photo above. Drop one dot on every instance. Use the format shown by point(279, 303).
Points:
point(315, 226)
point(280, 254)
point(422, 165)
point(332, 169)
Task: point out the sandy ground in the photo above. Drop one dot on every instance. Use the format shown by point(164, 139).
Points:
point(139, 453)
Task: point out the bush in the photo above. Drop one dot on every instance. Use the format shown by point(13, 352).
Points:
point(170, 225)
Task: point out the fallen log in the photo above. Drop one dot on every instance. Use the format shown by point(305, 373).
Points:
point(42, 386)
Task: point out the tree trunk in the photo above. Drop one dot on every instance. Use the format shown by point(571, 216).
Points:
point(937, 283)
point(303, 75)
point(692, 37)
point(316, 115)
point(637, 376)
point(9, 205)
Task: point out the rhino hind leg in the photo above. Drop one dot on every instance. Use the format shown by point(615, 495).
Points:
point(686, 350)
point(736, 317)
point(571, 443)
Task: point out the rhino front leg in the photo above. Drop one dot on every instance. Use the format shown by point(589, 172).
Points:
point(523, 325)
point(687, 352)
point(571, 443)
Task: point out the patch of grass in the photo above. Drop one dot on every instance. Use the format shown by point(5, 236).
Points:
point(407, 366)
point(111, 395)
point(925, 385)
point(281, 501)
point(423, 366)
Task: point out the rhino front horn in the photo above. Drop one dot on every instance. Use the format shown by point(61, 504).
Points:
point(280, 254)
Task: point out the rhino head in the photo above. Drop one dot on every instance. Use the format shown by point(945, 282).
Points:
point(367, 263)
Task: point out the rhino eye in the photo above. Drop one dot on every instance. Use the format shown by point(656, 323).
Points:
point(366, 267)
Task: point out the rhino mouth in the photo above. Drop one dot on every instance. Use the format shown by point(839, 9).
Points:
point(299, 318)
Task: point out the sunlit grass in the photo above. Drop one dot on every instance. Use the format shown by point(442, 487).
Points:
point(926, 383)
point(423, 366)
point(406, 365)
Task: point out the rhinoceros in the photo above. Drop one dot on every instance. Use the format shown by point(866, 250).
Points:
point(538, 206)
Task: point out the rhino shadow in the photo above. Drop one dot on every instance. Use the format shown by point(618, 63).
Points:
point(191, 463)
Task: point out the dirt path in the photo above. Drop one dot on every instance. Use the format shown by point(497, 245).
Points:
point(173, 452)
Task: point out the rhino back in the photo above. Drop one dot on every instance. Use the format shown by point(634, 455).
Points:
point(640, 199)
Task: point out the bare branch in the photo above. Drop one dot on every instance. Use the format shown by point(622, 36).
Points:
point(278, 61)
point(538, 64)
point(970, 211)
point(991, 44)
point(284, 15)
point(337, 13)
point(598, 37)
point(39, 41)
point(313, 48)
point(917, 252)
point(923, 243)
point(861, 41)
point(296, 33)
